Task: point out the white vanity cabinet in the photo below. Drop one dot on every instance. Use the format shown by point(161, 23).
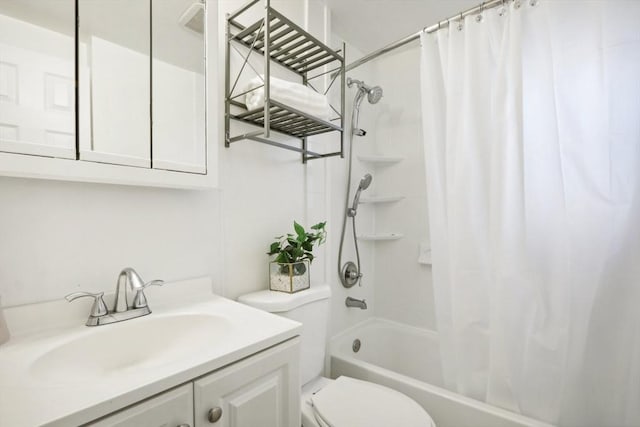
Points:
point(173, 408)
point(262, 390)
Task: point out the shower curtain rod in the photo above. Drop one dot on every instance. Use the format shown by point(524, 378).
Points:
point(477, 9)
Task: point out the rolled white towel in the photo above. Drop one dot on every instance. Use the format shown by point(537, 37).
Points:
point(291, 94)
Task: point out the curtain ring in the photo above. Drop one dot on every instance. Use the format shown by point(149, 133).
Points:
point(460, 22)
point(479, 15)
point(503, 10)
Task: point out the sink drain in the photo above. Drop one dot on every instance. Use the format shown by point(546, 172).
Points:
point(356, 345)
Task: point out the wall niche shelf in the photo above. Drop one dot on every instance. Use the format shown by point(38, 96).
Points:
point(280, 41)
point(380, 199)
point(380, 237)
point(379, 159)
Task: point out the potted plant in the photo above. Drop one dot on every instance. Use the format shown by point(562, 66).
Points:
point(289, 270)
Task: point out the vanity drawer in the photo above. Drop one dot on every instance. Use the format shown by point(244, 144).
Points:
point(173, 408)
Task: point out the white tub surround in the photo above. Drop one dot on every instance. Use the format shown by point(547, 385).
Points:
point(49, 377)
point(407, 359)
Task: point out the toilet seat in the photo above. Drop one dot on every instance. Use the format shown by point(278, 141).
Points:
point(347, 402)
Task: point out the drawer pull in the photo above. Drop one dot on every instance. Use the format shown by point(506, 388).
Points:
point(214, 414)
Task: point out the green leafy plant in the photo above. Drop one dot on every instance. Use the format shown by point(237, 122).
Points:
point(292, 248)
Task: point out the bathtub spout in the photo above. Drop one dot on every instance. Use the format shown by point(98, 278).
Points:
point(352, 302)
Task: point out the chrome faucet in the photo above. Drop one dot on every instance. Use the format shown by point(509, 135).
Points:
point(136, 284)
point(357, 303)
point(125, 306)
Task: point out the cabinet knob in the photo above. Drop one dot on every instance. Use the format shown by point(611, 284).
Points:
point(214, 414)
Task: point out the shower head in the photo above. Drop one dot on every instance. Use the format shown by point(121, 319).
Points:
point(374, 94)
point(365, 182)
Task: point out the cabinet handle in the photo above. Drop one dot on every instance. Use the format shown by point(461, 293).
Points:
point(184, 425)
point(214, 414)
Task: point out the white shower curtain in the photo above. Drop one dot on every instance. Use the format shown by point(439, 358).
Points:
point(531, 124)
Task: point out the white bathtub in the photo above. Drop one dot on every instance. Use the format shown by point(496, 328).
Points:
point(407, 359)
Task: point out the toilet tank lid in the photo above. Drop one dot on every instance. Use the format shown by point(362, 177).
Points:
point(278, 302)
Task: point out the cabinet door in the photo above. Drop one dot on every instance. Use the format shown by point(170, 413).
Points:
point(178, 85)
point(114, 71)
point(37, 98)
point(171, 409)
point(263, 390)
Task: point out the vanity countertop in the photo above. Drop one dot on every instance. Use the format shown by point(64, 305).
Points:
point(48, 377)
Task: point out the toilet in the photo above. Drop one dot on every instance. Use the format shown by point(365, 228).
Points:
point(343, 402)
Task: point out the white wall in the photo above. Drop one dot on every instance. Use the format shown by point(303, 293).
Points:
point(58, 237)
point(404, 288)
point(395, 285)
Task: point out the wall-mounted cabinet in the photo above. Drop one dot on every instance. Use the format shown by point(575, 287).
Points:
point(108, 91)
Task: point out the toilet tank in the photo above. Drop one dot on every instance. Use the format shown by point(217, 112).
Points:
point(309, 307)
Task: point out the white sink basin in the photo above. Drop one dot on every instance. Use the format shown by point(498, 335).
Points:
point(126, 348)
point(55, 371)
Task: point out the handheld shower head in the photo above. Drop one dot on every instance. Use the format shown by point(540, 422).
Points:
point(365, 182)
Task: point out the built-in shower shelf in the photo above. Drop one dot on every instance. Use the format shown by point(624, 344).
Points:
point(379, 237)
point(381, 199)
point(380, 159)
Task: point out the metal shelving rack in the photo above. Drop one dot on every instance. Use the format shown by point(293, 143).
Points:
point(282, 42)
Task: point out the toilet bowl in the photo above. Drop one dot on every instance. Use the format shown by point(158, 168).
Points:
point(343, 402)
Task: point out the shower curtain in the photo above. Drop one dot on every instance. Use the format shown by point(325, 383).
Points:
point(531, 118)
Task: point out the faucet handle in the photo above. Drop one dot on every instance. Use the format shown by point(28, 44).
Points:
point(153, 283)
point(98, 309)
point(140, 300)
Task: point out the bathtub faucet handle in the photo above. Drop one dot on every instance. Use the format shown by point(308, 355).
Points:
point(350, 274)
point(354, 275)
